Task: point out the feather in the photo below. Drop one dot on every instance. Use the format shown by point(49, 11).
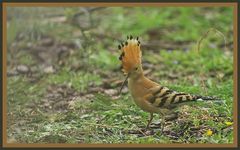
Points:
point(132, 54)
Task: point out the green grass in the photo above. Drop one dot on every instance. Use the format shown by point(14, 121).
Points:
point(62, 107)
point(78, 80)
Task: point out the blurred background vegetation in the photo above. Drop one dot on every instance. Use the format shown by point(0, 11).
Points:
point(64, 73)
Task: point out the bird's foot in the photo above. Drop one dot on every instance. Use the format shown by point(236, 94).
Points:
point(171, 117)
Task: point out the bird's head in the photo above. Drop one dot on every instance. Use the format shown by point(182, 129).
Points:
point(131, 57)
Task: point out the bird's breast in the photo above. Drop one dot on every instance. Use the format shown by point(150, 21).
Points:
point(138, 91)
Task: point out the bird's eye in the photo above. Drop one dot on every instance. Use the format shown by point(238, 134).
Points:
point(136, 68)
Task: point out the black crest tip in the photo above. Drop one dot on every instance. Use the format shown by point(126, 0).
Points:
point(131, 37)
point(120, 57)
point(119, 47)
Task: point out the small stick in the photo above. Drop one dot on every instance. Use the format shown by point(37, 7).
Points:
point(206, 34)
point(198, 48)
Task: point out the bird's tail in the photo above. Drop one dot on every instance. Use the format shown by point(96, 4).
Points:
point(189, 98)
point(206, 98)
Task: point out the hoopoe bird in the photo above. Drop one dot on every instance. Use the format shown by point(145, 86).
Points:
point(149, 95)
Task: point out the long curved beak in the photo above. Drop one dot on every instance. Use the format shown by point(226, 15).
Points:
point(123, 83)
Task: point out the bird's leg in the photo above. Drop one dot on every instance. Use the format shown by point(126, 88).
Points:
point(163, 123)
point(150, 120)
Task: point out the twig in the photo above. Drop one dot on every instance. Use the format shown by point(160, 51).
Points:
point(206, 34)
point(198, 48)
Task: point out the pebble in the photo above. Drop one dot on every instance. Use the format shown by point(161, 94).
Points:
point(49, 69)
point(22, 69)
point(111, 92)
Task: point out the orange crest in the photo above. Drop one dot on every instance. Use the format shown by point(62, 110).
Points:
point(131, 54)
